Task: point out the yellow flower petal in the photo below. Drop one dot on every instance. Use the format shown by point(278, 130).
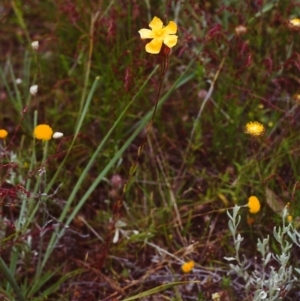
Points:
point(154, 46)
point(156, 24)
point(171, 28)
point(170, 41)
point(146, 33)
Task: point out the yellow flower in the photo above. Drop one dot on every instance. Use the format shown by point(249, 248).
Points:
point(296, 97)
point(253, 204)
point(294, 24)
point(3, 134)
point(43, 132)
point(188, 266)
point(289, 218)
point(254, 128)
point(159, 35)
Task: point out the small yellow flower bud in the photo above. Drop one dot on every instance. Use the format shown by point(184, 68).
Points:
point(3, 134)
point(253, 204)
point(188, 266)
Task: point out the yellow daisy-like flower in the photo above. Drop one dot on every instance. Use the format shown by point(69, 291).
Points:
point(253, 204)
point(289, 218)
point(254, 128)
point(159, 35)
point(43, 132)
point(3, 134)
point(188, 266)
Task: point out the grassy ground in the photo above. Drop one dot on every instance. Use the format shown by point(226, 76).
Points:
point(90, 216)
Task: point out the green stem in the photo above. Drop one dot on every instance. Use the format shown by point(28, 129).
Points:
point(89, 62)
point(6, 272)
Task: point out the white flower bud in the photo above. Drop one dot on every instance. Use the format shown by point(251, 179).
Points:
point(116, 236)
point(35, 45)
point(33, 89)
point(57, 135)
point(18, 81)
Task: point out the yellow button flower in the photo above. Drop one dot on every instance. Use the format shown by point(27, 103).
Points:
point(3, 134)
point(254, 128)
point(159, 35)
point(188, 266)
point(253, 204)
point(43, 132)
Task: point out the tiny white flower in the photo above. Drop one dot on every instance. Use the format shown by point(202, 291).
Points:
point(57, 135)
point(18, 81)
point(35, 45)
point(33, 89)
point(216, 297)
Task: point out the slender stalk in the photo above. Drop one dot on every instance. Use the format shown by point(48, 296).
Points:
point(89, 61)
point(181, 172)
point(7, 274)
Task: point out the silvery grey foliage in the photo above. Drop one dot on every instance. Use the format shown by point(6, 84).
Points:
point(273, 277)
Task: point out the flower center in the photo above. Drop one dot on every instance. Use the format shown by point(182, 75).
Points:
point(159, 32)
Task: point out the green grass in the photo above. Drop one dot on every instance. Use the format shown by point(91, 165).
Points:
point(60, 208)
